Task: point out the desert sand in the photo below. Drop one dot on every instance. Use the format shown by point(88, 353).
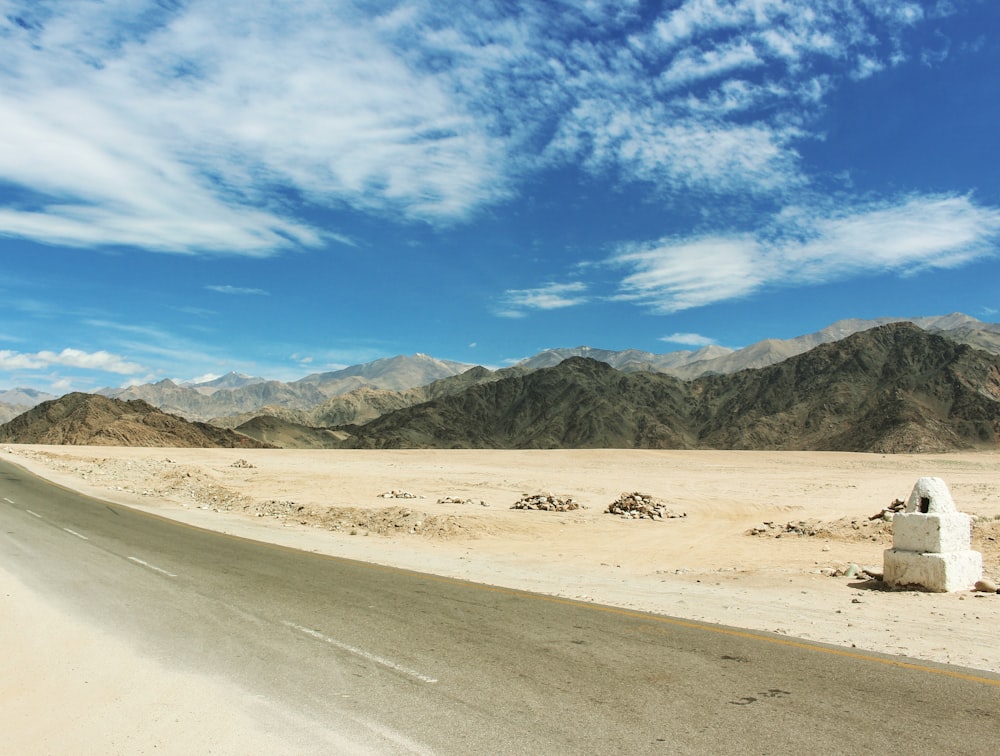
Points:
point(704, 566)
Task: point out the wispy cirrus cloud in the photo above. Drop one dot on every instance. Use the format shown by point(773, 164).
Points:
point(236, 290)
point(688, 339)
point(808, 246)
point(517, 303)
point(206, 127)
point(179, 128)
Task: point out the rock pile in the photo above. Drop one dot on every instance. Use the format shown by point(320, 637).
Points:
point(242, 463)
point(459, 500)
point(399, 495)
point(770, 528)
point(546, 503)
point(640, 506)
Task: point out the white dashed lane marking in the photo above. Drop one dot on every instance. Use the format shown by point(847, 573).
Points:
point(366, 655)
point(34, 514)
point(153, 567)
point(78, 535)
point(7, 500)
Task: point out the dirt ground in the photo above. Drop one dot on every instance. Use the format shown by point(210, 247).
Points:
point(450, 513)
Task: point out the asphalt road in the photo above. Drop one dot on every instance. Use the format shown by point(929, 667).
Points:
point(433, 665)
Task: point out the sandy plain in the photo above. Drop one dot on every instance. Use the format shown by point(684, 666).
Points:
point(703, 566)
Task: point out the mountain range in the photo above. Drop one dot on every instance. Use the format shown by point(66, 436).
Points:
point(893, 388)
point(363, 392)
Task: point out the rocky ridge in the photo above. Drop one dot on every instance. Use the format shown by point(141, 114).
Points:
point(89, 419)
point(895, 388)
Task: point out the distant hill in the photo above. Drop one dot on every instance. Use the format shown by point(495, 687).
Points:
point(360, 393)
point(195, 405)
point(236, 396)
point(289, 435)
point(895, 388)
point(364, 404)
point(628, 360)
point(713, 359)
point(394, 373)
point(231, 380)
point(90, 419)
point(15, 401)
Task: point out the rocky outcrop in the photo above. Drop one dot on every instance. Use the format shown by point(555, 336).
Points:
point(89, 419)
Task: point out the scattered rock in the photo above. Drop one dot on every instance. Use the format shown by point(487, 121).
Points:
point(398, 495)
point(640, 506)
point(889, 512)
point(459, 500)
point(986, 586)
point(875, 573)
point(844, 529)
point(546, 503)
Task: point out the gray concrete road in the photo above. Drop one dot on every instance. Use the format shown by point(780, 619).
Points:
point(436, 665)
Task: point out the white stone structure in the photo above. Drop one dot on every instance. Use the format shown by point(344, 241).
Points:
point(930, 542)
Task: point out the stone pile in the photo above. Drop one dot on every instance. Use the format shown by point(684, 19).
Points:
point(800, 528)
point(546, 503)
point(640, 506)
point(459, 500)
point(398, 495)
point(242, 463)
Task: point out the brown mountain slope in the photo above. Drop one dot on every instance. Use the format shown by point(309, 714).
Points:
point(363, 404)
point(579, 404)
point(289, 435)
point(894, 388)
point(891, 389)
point(90, 419)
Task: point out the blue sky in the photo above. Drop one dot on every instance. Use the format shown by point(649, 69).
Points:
point(193, 187)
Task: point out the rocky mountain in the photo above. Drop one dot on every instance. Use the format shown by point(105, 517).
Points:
point(196, 403)
point(364, 404)
point(628, 360)
point(360, 393)
point(713, 359)
point(90, 419)
point(289, 435)
point(15, 401)
point(895, 388)
point(231, 380)
point(394, 373)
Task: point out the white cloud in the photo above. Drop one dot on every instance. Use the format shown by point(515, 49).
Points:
point(917, 234)
point(689, 339)
point(866, 68)
point(714, 97)
point(678, 274)
point(73, 358)
point(206, 378)
point(170, 131)
point(690, 66)
point(201, 127)
point(516, 303)
point(237, 290)
point(809, 246)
